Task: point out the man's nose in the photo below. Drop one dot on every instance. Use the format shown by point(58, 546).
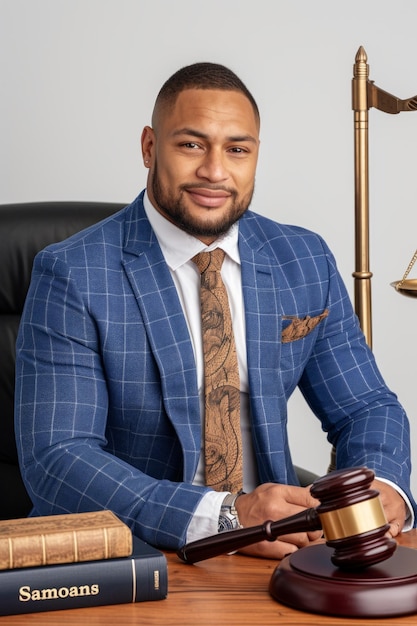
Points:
point(213, 166)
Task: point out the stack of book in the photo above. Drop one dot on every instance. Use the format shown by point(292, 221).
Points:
point(76, 560)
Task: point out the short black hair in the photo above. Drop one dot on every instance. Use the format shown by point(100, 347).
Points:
point(203, 76)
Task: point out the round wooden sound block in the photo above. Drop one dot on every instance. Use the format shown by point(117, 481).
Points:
point(307, 580)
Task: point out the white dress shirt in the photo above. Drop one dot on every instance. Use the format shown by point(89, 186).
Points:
point(178, 248)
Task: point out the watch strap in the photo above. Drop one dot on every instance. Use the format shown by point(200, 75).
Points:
point(229, 518)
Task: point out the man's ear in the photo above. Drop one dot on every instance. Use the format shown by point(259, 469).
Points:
point(147, 142)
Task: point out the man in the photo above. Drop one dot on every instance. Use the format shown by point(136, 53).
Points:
point(109, 396)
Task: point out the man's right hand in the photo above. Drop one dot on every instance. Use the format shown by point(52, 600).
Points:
point(272, 501)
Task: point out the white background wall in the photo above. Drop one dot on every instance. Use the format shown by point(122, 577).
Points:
point(78, 80)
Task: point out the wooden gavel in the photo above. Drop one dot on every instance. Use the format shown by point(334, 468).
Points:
point(350, 515)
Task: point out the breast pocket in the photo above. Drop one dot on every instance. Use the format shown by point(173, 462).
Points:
point(297, 339)
point(296, 328)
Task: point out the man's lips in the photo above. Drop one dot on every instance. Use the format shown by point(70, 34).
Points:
point(212, 198)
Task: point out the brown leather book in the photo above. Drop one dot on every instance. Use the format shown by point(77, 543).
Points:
point(69, 538)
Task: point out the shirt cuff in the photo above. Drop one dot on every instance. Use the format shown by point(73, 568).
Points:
point(409, 519)
point(205, 521)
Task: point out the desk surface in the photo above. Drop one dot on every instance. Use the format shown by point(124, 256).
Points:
point(230, 590)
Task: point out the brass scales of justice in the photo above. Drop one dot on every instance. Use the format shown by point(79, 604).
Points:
point(365, 94)
point(359, 571)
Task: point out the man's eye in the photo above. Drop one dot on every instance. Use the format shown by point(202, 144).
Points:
point(190, 144)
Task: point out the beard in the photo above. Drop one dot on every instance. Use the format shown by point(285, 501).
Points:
point(175, 210)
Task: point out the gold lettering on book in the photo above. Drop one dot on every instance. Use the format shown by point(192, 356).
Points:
point(54, 593)
point(10, 546)
point(43, 540)
point(106, 543)
point(75, 542)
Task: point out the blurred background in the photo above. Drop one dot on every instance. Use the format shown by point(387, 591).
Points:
point(78, 82)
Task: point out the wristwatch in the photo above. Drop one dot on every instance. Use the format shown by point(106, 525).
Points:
point(228, 518)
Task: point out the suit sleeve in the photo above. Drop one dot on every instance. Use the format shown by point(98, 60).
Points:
point(344, 387)
point(62, 403)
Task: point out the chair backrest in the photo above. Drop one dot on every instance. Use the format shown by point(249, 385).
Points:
point(25, 229)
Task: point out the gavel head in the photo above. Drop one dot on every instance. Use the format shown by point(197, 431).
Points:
point(352, 518)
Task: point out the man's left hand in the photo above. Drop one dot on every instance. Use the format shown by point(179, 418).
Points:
point(394, 506)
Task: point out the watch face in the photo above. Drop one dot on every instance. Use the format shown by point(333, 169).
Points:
point(225, 523)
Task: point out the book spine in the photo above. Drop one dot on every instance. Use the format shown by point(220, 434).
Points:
point(77, 585)
point(69, 546)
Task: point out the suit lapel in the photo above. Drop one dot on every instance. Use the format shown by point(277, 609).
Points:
point(261, 291)
point(167, 331)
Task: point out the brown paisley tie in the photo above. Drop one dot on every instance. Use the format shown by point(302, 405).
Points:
point(223, 442)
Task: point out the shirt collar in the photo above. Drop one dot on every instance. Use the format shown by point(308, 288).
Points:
point(179, 247)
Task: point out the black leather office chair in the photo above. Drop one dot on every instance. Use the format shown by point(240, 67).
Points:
point(24, 230)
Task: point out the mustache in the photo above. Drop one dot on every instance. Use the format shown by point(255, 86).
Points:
point(209, 186)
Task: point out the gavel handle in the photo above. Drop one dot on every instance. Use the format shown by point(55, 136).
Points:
point(233, 540)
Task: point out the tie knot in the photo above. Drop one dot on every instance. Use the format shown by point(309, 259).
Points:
point(209, 261)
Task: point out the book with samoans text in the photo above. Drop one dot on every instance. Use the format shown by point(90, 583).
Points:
point(140, 577)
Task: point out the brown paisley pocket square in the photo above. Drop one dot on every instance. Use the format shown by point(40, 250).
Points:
point(299, 328)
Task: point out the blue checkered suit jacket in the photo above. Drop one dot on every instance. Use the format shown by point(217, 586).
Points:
point(107, 408)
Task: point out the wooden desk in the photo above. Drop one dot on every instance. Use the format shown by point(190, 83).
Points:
point(229, 590)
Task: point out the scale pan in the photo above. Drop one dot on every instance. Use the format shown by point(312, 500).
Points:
point(408, 287)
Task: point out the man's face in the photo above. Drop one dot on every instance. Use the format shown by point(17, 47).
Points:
point(202, 157)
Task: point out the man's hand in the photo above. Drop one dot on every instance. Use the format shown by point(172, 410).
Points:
point(394, 506)
point(272, 501)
